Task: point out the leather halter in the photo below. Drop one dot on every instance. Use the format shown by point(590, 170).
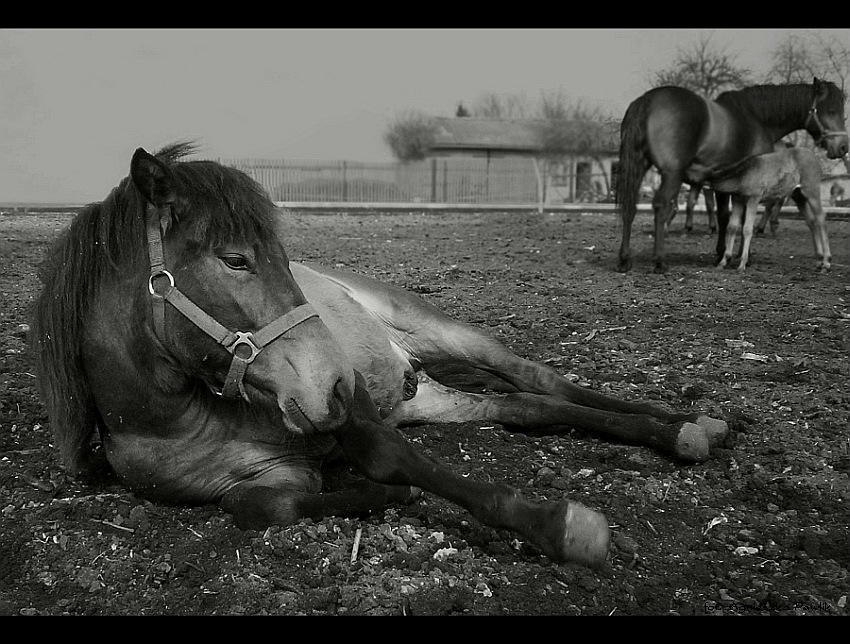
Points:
point(824, 133)
point(243, 346)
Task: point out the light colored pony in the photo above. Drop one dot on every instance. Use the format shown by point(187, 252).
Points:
point(794, 172)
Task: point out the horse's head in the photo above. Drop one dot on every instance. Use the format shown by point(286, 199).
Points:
point(221, 299)
point(825, 121)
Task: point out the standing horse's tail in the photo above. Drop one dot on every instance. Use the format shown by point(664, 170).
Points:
point(633, 159)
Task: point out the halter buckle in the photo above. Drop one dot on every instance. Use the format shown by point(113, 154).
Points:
point(244, 339)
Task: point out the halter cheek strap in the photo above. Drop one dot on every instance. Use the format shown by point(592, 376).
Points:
point(243, 346)
point(824, 133)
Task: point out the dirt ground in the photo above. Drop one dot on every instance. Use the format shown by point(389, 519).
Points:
point(761, 528)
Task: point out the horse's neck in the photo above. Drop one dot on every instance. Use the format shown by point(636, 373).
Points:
point(125, 364)
point(780, 122)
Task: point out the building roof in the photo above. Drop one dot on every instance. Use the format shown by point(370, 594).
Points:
point(517, 135)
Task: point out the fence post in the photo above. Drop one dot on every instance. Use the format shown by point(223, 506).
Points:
point(433, 180)
point(540, 187)
point(344, 183)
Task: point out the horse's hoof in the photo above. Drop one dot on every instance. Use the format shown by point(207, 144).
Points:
point(692, 445)
point(413, 495)
point(586, 536)
point(624, 266)
point(660, 269)
point(715, 430)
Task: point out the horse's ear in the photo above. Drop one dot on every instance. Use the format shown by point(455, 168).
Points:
point(821, 88)
point(152, 178)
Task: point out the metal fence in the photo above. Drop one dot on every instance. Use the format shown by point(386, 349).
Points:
point(449, 180)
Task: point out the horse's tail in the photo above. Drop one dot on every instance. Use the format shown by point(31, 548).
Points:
point(633, 157)
point(55, 340)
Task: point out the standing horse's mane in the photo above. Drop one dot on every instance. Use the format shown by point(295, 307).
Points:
point(770, 102)
point(107, 239)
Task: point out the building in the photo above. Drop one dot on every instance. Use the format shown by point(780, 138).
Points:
point(582, 168)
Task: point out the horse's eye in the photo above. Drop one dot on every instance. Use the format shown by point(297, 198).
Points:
point(235, 262)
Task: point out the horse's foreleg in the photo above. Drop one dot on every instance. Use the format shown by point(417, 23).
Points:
point(749, 220)
point(564, 531)
point(256, 506)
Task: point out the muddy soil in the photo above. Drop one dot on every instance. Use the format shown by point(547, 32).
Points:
point(761, 528)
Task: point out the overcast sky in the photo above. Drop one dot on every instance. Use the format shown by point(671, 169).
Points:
point(75, 104)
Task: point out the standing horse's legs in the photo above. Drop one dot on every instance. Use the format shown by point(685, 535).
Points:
point(749, 222)
point(564, 531)
point(663, 204)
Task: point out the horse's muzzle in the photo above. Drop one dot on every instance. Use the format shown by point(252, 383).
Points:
point(836, 146)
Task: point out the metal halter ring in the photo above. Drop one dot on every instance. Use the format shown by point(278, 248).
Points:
point(156, 274)
point(247, 339)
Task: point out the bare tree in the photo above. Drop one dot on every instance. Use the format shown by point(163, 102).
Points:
point(574, 127)
point(792, 62)
point(799, 58)
point(410, 136)
point(492, 105)
point(704, 70)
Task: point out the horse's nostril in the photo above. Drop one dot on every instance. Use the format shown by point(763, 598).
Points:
point(342, 392)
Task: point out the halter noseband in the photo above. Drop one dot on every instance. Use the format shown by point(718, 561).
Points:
point(236, 342)
point(824, 133)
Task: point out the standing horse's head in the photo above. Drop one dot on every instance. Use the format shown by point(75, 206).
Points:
point(247, 329)
point(825, 121)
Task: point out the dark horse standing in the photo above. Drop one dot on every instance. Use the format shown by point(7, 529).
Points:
point(214, 370)
point(687, 138)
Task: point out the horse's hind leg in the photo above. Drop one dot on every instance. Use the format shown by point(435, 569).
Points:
point(625, 259)
point(815, 217)
point(435, 403)
point(749, 219)
point(722, 202)
point(564, 531)
point(663, 204)
point(711, 207)
point(464, 349)
point(732, 229)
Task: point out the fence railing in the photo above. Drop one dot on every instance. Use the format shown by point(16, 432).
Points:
point(447, 180)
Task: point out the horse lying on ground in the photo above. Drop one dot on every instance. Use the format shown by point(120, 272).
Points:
point(172, 323)
point(687, 138)
point(793, 172)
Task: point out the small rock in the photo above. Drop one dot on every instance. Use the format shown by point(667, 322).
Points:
point(626, 544)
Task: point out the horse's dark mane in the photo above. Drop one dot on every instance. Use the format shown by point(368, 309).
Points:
point(770, 103)
point(107, 239)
